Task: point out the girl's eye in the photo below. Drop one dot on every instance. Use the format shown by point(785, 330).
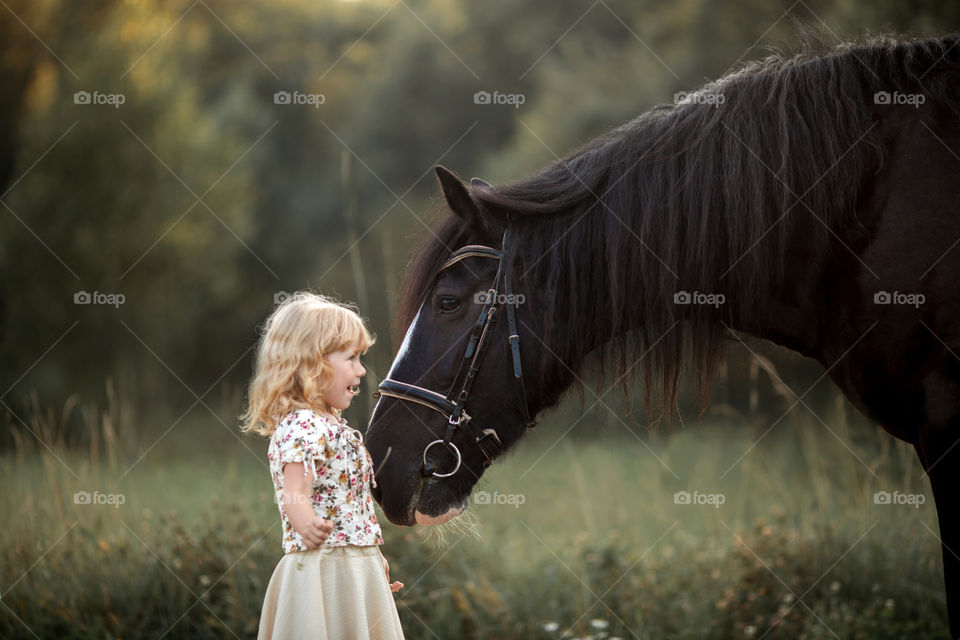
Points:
point(449, 304)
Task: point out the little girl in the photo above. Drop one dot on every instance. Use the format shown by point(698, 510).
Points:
point(332, 582)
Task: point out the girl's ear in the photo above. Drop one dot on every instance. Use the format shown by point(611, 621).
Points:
point(459, 199)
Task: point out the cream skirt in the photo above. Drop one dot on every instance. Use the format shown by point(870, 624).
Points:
point(330, 593)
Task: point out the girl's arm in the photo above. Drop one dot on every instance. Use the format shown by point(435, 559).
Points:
point(297, 489)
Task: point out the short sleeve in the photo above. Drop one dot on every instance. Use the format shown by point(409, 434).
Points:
point(302, 437)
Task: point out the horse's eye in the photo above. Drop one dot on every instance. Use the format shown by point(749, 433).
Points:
point(448, 304)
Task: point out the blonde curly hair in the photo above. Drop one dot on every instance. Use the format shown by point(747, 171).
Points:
point(291, 371)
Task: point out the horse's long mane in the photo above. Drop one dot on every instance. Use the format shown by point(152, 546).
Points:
point(671, 200)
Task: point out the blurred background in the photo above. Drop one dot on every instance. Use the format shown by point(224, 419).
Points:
point(169, 170)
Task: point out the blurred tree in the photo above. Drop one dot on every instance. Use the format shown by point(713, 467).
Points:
point(201, 197)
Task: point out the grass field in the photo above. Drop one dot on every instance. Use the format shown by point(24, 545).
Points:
point(577, 536)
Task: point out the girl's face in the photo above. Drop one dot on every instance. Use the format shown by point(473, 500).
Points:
point(345, 375)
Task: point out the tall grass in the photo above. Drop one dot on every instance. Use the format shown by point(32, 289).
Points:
point(573, 536)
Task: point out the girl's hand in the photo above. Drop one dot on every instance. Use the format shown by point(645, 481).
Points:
point(394, 586)
point(315, 532)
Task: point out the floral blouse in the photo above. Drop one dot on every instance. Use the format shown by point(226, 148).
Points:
point(342, 473)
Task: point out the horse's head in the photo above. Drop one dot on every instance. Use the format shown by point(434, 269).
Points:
point(454, 398)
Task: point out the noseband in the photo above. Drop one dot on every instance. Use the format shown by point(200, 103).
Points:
point(452, 405)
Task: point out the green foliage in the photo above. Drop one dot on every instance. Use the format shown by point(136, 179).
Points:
point(574, 537)
point(105, 199)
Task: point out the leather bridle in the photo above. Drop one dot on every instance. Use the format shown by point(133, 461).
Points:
point(453, 405)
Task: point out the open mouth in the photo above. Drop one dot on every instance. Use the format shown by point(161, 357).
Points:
point(354, 389)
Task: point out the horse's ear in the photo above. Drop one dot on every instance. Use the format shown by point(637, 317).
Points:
point(458, 197)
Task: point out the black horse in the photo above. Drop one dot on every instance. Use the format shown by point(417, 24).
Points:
point(809, 199)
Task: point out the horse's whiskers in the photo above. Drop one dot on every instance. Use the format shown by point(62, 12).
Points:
point(467, 523)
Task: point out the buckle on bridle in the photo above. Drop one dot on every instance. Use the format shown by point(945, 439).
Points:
point(481, 440)
point(490, 433)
